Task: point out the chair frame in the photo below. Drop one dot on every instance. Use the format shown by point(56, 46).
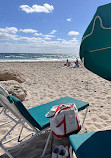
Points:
point(52, 136)
point(18, 119)
point(70, 148)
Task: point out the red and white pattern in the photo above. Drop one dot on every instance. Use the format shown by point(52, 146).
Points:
point(64, 119)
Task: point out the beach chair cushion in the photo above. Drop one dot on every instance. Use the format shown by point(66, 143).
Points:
point(39, 112)
point(23, 110)
point(92, 144)
point(36, 115)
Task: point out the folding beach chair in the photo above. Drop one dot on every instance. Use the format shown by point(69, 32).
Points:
point(34, 117)
point(91, 145)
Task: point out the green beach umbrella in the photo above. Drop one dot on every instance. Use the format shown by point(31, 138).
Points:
point(95, 46)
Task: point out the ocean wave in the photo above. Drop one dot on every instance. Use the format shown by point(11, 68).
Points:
point(36, 57)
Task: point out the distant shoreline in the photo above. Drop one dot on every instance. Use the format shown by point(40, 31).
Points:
point(33, 61)
point(30, 61)
point(37, 57)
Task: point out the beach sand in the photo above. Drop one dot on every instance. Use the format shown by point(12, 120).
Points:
point(49, 81)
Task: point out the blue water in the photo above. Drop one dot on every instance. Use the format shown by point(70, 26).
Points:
point(36, 57)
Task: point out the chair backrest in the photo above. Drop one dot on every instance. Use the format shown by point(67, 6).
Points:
point(15, 106)
point(7, 104)
point(3, 91)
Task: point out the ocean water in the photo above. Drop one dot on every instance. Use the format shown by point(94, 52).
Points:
point(25, 57)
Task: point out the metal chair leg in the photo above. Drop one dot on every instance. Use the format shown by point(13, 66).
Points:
point(47, 142)
point(71, 152)
point(6, 151)
point(68, 148)
point(52, 140)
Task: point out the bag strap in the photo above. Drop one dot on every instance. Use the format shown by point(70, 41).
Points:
point(63, 122)
point(47, 115)
point(57, 111)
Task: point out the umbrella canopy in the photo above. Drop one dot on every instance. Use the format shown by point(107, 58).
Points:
point(95, 46)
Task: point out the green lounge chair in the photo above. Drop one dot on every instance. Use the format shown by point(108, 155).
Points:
point(34, 117)
point(92, 144)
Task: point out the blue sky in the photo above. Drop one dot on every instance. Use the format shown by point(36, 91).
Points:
point(44, 26)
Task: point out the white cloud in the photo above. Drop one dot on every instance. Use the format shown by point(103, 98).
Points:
point(38, 34)
point(69, 19)
point(46, 8)
point(71, 33)
point(50, 36)
point(28, 30)
point(60, 39)
point(12, 30)
point(30, 39)
point(10, 42)
point(47, 38)
point(45, 47)
point(8, 37)
point(53, 31)
point(39, 45)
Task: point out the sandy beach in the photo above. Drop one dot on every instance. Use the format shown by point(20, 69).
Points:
point(45, 82)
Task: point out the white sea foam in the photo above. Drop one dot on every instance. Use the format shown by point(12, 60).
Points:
point(36, 57)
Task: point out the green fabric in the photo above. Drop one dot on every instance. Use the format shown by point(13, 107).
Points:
point(23, 110)
point(92, 145)
point(98, 61)
point(12, 99)
point(36, 115)
point(39, 112)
